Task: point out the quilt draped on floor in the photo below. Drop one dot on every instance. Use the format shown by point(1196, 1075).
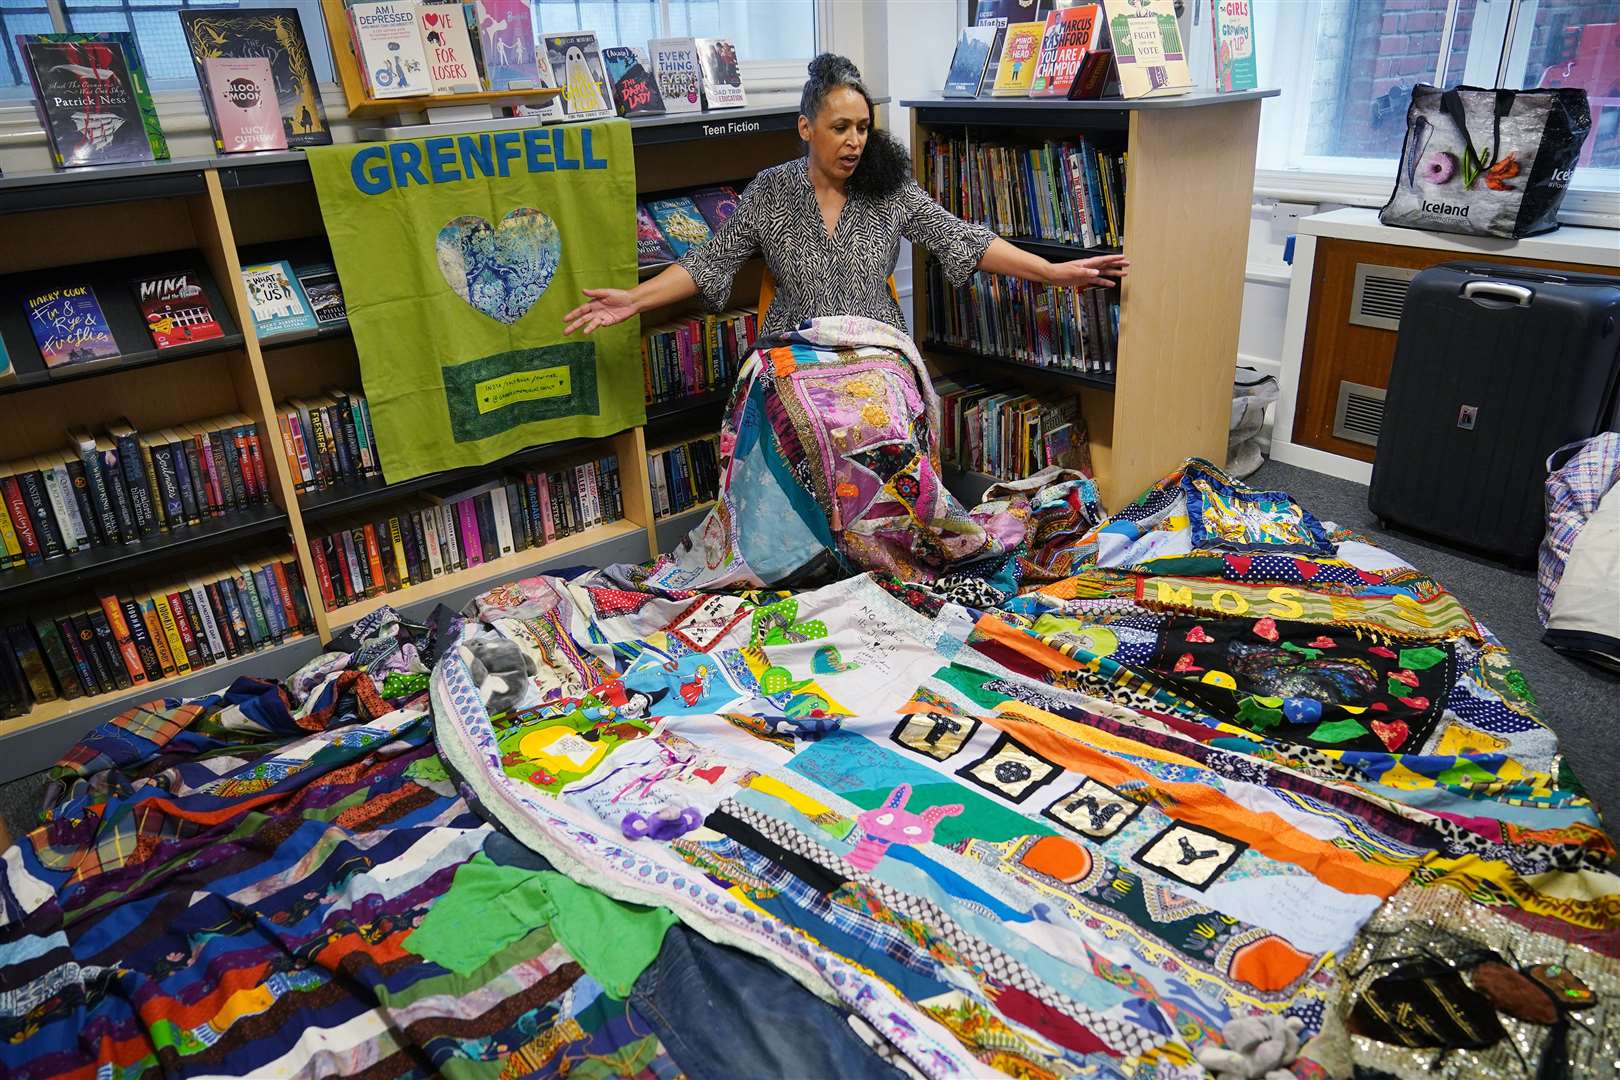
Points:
point(1218, 761)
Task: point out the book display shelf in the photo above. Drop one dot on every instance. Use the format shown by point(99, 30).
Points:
point(212, 216)
point(1188, 183)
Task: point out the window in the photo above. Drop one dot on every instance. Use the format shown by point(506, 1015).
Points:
point(761, 29)
point(1347, 69)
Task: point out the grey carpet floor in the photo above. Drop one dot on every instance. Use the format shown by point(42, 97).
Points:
point(1578, 701)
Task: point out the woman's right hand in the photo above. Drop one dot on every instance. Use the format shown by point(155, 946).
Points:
point(606, 307)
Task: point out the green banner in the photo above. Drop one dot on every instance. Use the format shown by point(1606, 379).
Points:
point(459, 255)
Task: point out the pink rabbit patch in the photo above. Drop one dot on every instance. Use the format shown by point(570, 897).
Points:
point(892, 823)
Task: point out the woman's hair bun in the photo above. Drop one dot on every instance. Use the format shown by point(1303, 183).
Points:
point(832, 68)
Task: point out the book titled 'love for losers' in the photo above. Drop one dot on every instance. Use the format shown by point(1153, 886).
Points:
point(452, 68)
point(242, 98)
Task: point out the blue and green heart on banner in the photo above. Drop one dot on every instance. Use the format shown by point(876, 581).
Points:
point(459, 256)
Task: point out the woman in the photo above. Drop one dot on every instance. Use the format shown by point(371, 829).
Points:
point(829, 227)
point(828, 456)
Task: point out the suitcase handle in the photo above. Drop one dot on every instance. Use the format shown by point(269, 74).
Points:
point(1498, 290)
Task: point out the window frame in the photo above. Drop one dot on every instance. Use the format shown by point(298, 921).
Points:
point(1358, 181)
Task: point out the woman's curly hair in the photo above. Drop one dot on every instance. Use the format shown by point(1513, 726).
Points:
point(885, 167)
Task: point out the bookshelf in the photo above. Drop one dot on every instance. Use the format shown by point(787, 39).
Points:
point(214, 214)
point(1189, 183)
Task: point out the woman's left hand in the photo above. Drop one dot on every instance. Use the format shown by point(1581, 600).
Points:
point(1100, 271)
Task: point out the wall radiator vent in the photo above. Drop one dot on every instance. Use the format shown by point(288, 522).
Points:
point(1379, 296)
point(1359, 414)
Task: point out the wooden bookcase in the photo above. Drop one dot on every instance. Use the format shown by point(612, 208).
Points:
point(213, 214)
point(1189, 183)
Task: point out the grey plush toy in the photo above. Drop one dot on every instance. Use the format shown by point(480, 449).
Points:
point(499, 669)
point(1256, 1047)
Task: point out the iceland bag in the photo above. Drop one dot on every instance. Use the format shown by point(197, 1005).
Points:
point(1487, 162)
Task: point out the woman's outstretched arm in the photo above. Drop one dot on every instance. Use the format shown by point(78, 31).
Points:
point(608, 306)
point(1004, 258)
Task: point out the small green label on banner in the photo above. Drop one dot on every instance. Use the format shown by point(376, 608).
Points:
point(504, 390)
point(497, 393)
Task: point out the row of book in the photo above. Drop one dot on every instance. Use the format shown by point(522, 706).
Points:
point(1072, 192)
point(684, 475)
point(667, 226)
point(116, 488)
point(1025, 322)
point(439, 535)
point(141, 634)
point(254, 68)
point(70, 325)
point(696, 355)
point(445, 47)
point(1010, 434)
point(328, 440)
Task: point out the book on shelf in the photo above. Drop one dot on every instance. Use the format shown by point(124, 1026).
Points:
point(176, 309)
point(651, 247)
point(1015, 67)
point(277, 35)
point(1010, 434)
point(716, 204)
point(388, 43)
point(1023, 322)
point(431, 536)
point(635, 91)
point(1071, 35)
point(136, 633)
point(1233, 42)
point(975, 49)
point(1068, 192)
point(87, 101)
point(8, 371)
point(684, 475)
point(675, 69)
point(696, 355)
point(680, 222)
point(279, 305)
point(243, 105)
point(506, 42)
point(1002, 12)
point(319, 280)
point(139, 82)
point(448, 48)
point(576, 67)
point(69, 325)
point(722, 74)
point(328, 440)
point(1148, 51)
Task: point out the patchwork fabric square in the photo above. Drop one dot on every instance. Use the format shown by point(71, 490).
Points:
point(1191, 855)
point(707, 621)
point(935, 734)
point(1093, 809)
point(1010, 770)
point(1227, 516)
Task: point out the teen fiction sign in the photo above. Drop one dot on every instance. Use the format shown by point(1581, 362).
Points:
point(450, 159)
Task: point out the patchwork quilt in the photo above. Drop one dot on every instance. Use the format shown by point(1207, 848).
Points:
point(1204, 786)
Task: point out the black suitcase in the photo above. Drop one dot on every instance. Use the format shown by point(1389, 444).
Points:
point(1495, 368)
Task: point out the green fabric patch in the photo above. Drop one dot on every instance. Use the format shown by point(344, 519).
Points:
point(490, 906)
point(980, 818)
point(487, 908)
point(1338, 731)
point(1422, 658)
point(427, 770)
point(1252, 713)
point(612, 940)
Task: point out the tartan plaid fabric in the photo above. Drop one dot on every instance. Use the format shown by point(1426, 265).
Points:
point(1574, 490)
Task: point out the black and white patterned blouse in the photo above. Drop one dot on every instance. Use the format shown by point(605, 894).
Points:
point(842, 273)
